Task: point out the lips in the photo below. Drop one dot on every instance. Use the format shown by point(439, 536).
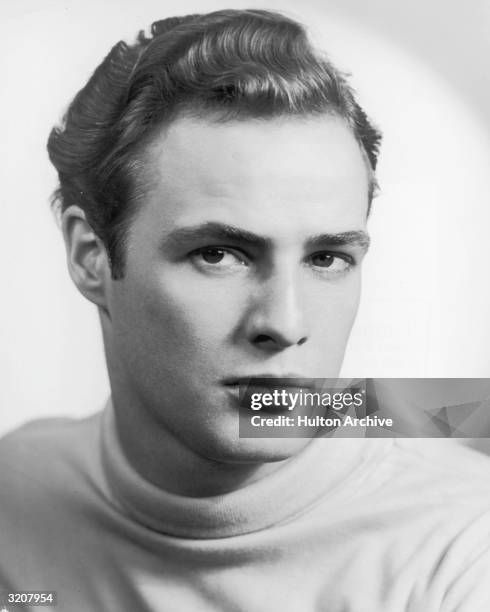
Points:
point(245, 387)
point(271, 381)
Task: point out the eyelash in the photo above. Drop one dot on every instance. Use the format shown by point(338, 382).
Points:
point(243, 259)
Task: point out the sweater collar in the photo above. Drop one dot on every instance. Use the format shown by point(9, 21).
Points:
point(321, 469)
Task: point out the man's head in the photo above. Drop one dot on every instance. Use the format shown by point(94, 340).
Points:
point(215, 181)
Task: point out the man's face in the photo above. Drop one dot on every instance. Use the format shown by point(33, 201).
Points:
point(243, 260)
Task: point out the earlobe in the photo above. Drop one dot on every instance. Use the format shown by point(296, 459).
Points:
point(88, 262)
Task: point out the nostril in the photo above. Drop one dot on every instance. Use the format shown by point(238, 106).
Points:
point(265, 339)
point(262, 338)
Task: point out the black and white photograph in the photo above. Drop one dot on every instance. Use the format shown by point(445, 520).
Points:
point(245, 323)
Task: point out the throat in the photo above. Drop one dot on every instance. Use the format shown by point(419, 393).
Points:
point(165, 461)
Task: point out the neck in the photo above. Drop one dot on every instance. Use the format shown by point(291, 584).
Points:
point(165, 461)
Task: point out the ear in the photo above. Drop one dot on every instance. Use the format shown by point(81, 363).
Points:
point(88, 262)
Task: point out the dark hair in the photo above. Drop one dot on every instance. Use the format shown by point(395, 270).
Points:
point(230, 64)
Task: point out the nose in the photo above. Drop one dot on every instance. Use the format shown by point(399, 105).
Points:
point(276, 319)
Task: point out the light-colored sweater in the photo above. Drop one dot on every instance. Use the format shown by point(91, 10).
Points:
point(355, 525)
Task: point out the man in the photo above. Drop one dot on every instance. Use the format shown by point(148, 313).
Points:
point(215, 184)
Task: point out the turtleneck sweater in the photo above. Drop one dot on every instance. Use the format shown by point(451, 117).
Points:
point(347, 525)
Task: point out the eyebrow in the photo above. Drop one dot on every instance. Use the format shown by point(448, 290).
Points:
point(219, 232)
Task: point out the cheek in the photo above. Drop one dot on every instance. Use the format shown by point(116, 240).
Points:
point(187, 316)
point(332, 312)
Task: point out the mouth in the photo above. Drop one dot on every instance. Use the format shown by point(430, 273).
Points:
point(273, 381)
point(243, 388)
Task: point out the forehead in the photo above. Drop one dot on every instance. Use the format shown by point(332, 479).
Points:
point(292, 172)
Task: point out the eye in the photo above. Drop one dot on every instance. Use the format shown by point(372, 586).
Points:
point(217, 259)
point(332, 263)
point(212, 255)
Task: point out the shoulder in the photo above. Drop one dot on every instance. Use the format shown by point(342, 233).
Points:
point(47, 455)
point(428, 505)
point(53, 496)
point(442, 462)
point(48, 437)
point(441, 482)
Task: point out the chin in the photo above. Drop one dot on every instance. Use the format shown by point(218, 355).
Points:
point(254, 450)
